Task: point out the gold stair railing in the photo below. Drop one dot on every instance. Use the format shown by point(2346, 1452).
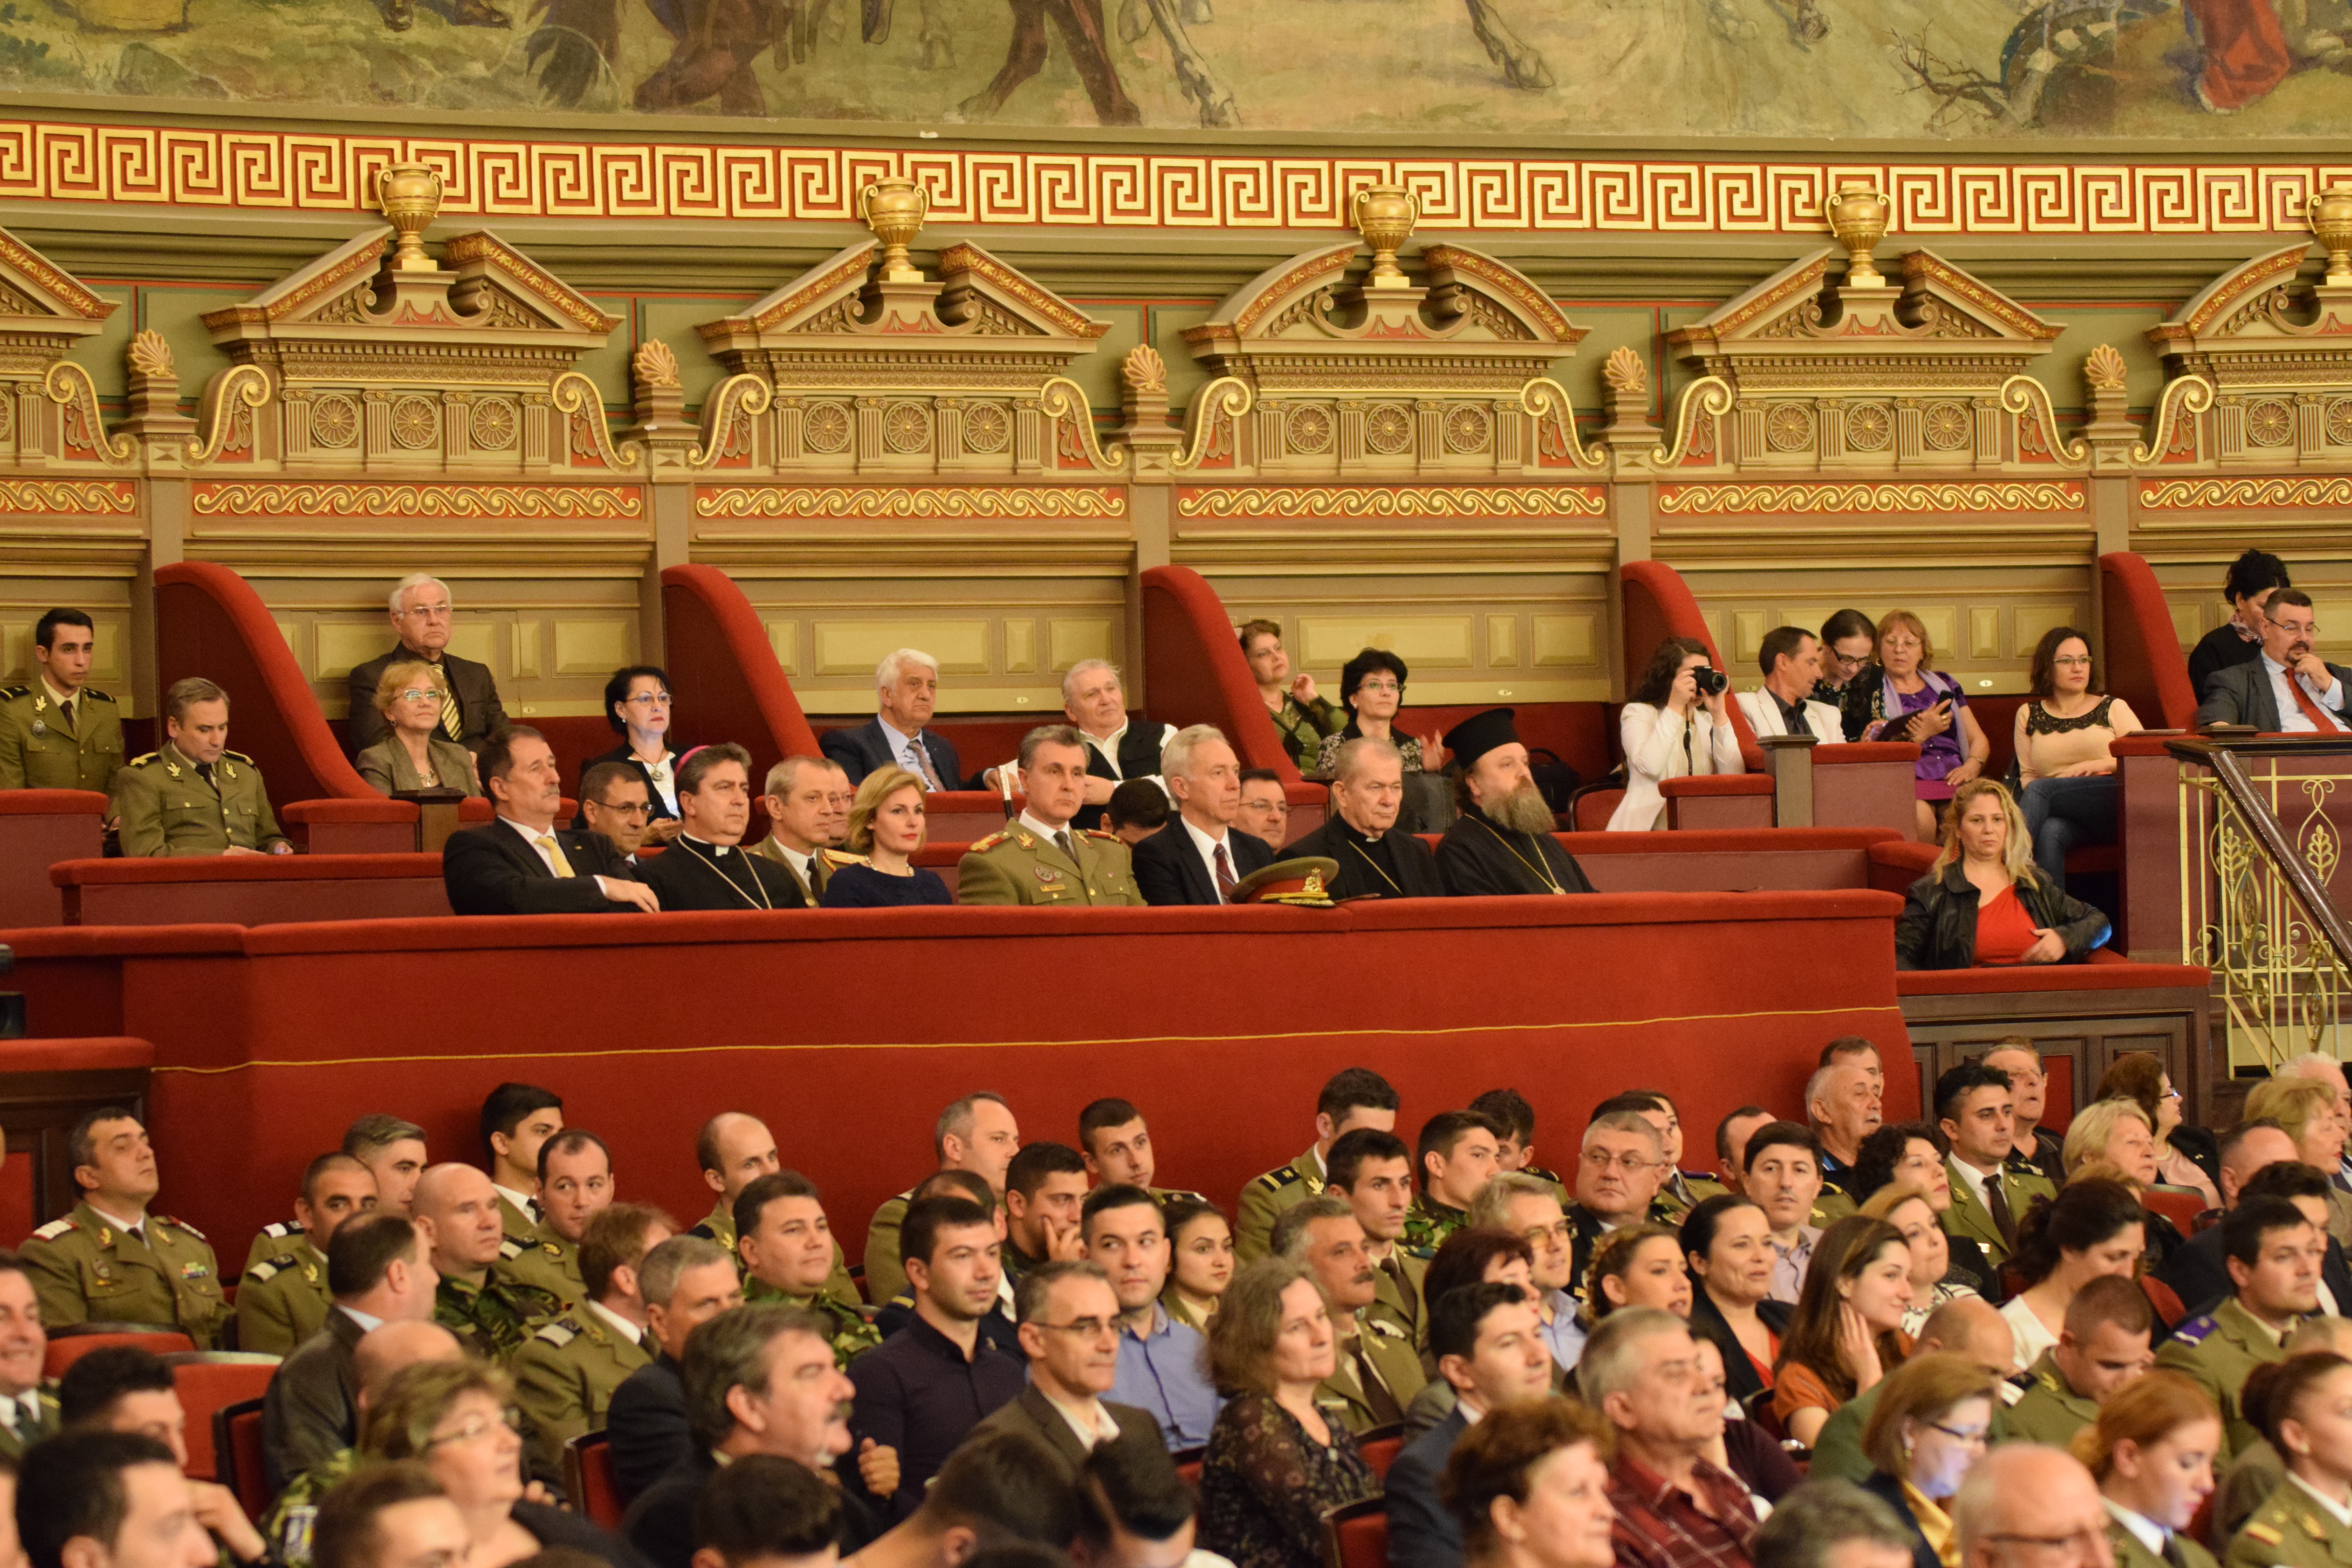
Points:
point(2258, 851)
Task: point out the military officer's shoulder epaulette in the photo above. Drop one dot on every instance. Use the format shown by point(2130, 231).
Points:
point(141, 762)
point(267, 1269)
point(10, 693)
point(1422, 1252)
point(56, 1228)
point(983, 845)
point(281, 1230)
point(2025, 1383)
point(1101, 833)
point(2194, 1332)
point(179, 1224)
point(558, 1333)
point(1274, 1181)
point(509, 1249)
point(1383, 1326)
point(904, 1298)
point(94, 692)
point(238, 757)
point(2255, 1529)
point(2312, 1527)
point(843, 857)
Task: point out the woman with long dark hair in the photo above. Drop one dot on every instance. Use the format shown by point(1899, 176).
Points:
point(2092, 1227)
point(1847, 1331)
point(1671, 730)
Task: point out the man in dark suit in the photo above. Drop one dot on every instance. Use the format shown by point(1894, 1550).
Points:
point(520, 864)
point(906, 690)
point(2288, 690)
point(686, 1281)
point(1490, 1348)
point(1367, 798)
point(705, 867)
point(1198, 856)
point(379, 1270)
point(1070, 1328)
point(421, 610)
point(2199, 1272)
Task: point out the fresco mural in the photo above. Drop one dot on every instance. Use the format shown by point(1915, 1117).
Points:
point(2032, 70)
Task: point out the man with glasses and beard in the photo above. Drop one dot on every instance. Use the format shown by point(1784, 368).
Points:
point(1502, 843)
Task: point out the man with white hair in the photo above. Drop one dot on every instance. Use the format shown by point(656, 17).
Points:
point(1367, 796)
point(2330, 1072)
point(2024, 1502)
point(422, 607)
point(1198, 858)
point(1119, 748)
point(906, 690)
point(1845, 1105)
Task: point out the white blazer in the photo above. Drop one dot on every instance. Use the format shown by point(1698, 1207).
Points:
point(1653, 739)
point(1826, 723)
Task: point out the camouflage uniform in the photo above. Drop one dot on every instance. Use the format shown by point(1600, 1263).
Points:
point(493, 1319)
point(287, 1526)
point(851, 1331)
point(1428, 1225)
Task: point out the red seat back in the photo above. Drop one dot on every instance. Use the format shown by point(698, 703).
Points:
point(1380, 1446)
point(2163, 1299)
point(1357, 1536)
point(588, 1468)
point(1658, 605)
point(1198, 673)
point(724, 671)
point(2143, 664)
point(2182, 1205)
point(67, 1349)
point(210, 1381)
point(236, 1451)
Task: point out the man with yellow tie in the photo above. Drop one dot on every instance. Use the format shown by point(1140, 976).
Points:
point(520, 864)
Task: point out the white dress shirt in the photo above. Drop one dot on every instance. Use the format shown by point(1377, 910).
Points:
point(2337, 1512)
point(2144, 1530)
point(2293, 720)
point(1046, 832)
point(523, 1201)
point(1206, 848)
point(1092, 1425)
point(1962, 1171)
point(803, 865)
point(620, 1325)
point(899, 741)
point(1106, 748)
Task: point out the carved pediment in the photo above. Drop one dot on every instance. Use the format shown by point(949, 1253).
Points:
point(44, 310)
point(2260, 368)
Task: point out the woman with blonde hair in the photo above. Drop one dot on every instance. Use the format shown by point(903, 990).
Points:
point(457, 1418)
point(887, 826)
point(1982, 903)
point(2117, 1131)
point(1529, 1484)
point(1931, 1423)
point(1904, 697)
point(1276, 1462)
point(2152, 1450)
point(2306, 1109)
point(415, 753)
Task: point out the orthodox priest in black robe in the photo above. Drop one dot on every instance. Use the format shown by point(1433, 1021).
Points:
point(1376, 859)
point(1502, 843)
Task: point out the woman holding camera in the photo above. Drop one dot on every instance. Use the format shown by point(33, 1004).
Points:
point(1677, 723)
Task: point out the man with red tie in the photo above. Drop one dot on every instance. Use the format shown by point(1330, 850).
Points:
point(1198, 858)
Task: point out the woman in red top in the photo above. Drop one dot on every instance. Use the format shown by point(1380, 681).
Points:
point(1983, 902)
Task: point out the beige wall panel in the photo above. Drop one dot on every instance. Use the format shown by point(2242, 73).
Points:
point(24, 600)
point(785, 636)
point(1984, 631)
point(1564, 641)
point(1503, 642)
point(1020, 647)
point(852, 647)
point(1436, 642)
point(1556, 630)
point(2032, 621)
point(593, 648)
point(1075, 641)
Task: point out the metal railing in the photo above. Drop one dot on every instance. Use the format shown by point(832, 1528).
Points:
point(2259, 850)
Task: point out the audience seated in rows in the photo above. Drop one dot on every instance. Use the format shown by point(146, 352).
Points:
point(423, 617)
point(638, 706)
point(1672, 729)
point(1984, 902)
point(415, 751)
point(2067, 785)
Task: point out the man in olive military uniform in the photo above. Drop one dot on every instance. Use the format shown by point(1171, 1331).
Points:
point(195, 797)
point(565, 1373)
point(2273, 1253)
point(1974, 1108)
point(785, 1245)
point(2102, 1348)
point(111, 1261)
point(490, 1314)
point(28, 1410)
point(1040, 858)
point(1378, 1369)
point(57, 732)
point(517, 1120)
point(1679, 1191)
point(808, 801)
point(1373, 1172)
point(284, 1298)
point(575, 1186)
point(1353, 1098)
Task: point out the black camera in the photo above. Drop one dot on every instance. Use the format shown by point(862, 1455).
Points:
point(1710, 682)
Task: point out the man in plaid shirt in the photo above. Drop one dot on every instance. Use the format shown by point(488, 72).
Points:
point(1675, 1508)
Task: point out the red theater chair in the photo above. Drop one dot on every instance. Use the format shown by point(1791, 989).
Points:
point(213, 1381)
point(1357, 1535)
point(588, 1477)
point(238, 1456)
point(1381, 1446)
point(69, 1343)
point(2182, 1205)
point(39, 827)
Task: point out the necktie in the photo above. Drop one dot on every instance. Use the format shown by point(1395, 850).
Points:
point(546, 841)
point(2172, 1553)
point(451, 719)
point(1062, 841)
point(1997, 1204)
point(66, 712)
point(921, 762)
point(2321, 719)
point(1377, 1395)
point(205, 772)
point(1224, 877)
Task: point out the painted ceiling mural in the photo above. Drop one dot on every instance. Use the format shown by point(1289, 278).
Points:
point(2049, 71)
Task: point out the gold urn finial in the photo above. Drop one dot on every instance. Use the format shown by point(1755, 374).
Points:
point(2330, 216)
point(895, 208)
point(1858, 217)
point(410, 196)
point(1384, 216)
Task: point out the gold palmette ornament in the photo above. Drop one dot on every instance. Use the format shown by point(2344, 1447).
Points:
point(895, 208)
point(1384, 216)
point(2330, 216)
point(1858, 217)
point(410, 196)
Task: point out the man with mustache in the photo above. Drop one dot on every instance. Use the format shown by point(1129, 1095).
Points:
point(2289, 690)
point(1502, 843)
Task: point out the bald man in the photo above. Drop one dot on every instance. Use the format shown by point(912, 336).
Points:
point(490, 1314)
point(2025, 1492)
point(381, 1352)
point(734, 1149)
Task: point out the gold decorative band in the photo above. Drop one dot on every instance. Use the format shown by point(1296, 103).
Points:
point(1392, 500)
point(103, 498)
point(908, 500)
point(1925, 496)
point(2200, 495)
point(318, 170)
point(248, 499)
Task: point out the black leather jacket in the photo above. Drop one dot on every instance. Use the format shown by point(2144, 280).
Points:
point(1937, 927)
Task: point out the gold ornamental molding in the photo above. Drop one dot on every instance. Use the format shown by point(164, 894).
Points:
point(2202, 495)
point(220, 498)
point(80, 498)
point(313, 170)
point(1923, 496)
point(1357, 501)
point(910, 501)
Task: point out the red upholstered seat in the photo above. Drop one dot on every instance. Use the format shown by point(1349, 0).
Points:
point(1381, 1446)
point(209, 1381)
point(2143, 662)
point(1657, 606)
point(588, 1475)
point(238, 1456)
point(38, 829)
point(1357, 1536)
point(2182, 1205)
point(2163, 1297)
point(71, 1342)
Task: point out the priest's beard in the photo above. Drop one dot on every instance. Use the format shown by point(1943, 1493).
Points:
point(1524, 810)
